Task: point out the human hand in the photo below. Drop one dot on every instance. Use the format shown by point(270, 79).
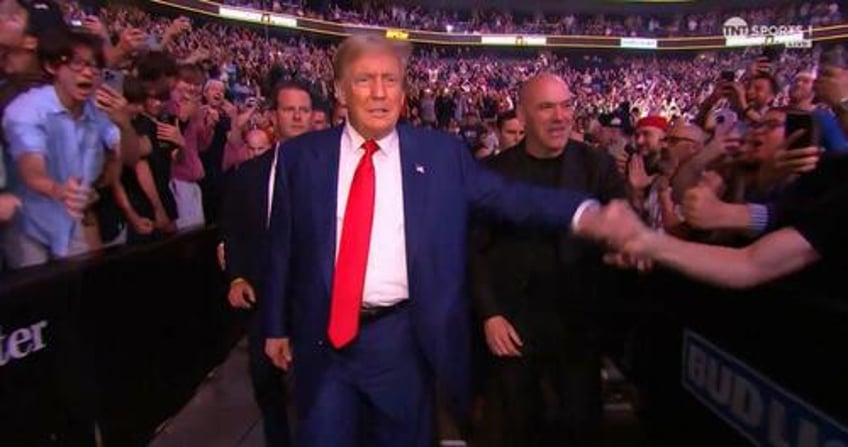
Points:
point(637, 176)
point(501, 337)
point(9, 205)
point(279, 351)
point(113, 104)
point(241, 294)
point(170, 133)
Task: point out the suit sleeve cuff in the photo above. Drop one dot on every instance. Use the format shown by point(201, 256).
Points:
point(586, 204)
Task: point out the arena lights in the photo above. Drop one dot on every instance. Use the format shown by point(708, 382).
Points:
point(742, 34)
point(499, 39)
point(240, 14)
point(638, 43)
point(397, 34)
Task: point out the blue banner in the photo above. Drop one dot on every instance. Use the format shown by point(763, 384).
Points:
point(759, 409)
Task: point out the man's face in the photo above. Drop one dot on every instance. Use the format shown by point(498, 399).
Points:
point(802, 88)
point(319, 120)
point(183, 91)
point(649, 140)
point(372, 90)
point(17, 53)
point(548, 113)
point(767, 136)
point(153, 106)
point(294, 113)
point(187, 97)
point(510, 133)
point(77, 77)
point(214, 93)
point(759, 92)
point(681, 143)
point(257, 142)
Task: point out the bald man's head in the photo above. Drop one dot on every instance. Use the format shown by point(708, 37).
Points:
point(682, 142)
point(547, 112)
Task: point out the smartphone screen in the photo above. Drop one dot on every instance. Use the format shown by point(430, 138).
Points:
point(800, 120)
point(728, 75)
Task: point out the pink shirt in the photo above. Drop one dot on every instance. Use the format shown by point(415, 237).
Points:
point(187, 166)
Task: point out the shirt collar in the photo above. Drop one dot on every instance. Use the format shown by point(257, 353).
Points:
point(388, 144)
point(55, 106)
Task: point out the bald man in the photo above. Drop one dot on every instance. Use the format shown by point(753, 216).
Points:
point(533, 289)
point(682, 142)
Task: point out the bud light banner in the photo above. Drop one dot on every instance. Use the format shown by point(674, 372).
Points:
point(759, 409)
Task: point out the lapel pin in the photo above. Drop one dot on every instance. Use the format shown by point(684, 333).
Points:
point(419, 169)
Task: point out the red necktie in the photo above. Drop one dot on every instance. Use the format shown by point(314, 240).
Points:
point(349, 278)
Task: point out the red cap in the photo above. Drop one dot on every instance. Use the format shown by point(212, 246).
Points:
point(653, 121)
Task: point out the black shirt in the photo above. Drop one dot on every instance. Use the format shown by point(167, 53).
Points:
point(537, 248)
point(817, 207)
point(160, 167)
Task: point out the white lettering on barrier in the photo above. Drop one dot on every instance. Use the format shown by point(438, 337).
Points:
point(760, 410)
point(22, 342)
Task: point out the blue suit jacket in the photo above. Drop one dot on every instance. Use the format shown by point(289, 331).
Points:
point(442, 183)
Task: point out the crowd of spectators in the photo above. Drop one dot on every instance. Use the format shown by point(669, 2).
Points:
point(492, 21)
point(192, 90)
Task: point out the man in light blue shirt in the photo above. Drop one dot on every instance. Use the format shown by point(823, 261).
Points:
point(58, 137)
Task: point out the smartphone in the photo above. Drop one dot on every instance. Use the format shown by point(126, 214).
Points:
point(801, 120)
point(114, 79)
point(728, 75)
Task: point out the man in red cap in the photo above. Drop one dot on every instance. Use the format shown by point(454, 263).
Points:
point(643, 166)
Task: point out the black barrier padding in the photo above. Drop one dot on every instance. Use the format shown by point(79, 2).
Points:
point(794, 339)
point(136, 330)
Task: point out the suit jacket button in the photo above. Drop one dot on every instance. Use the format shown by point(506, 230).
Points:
point(320, 343)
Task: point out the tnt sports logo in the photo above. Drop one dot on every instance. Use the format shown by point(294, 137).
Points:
point(737, 29)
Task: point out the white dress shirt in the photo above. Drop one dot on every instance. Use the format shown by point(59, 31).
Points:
point(386, 281)
point(272, 178)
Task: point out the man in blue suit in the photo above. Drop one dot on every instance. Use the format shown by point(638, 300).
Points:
point(367, 266)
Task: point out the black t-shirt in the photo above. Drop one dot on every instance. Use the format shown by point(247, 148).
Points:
point(817, 207)
point(160, 167)
point(539, 247)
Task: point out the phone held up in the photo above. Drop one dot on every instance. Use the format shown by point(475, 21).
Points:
point(114, 79)
point(799, 120)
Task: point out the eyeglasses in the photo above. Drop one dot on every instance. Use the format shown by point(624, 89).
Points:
point(78, 65)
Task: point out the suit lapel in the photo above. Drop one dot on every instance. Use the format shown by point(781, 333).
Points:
point(415, 185)
point(324, 174)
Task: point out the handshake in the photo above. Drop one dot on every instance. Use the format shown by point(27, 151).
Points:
point(618, 226)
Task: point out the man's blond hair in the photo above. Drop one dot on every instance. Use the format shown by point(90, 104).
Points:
point(358, 44)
